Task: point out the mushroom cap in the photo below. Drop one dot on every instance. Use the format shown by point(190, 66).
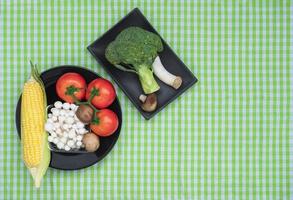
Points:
point(91, 142)
point(84, 113)
point(150, 103)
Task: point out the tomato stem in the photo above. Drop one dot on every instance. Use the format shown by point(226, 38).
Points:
point(94, 92)
point(75, 99)
point(70, 90)
point(96, 120)
point(93, 107)
point(86, 103)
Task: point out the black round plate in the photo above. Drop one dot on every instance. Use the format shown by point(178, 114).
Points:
point(68, 161)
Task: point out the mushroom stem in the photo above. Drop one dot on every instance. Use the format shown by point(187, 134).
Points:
point(142, 98)
point(164, 75)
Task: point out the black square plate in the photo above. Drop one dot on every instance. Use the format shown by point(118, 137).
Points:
point(129, 82)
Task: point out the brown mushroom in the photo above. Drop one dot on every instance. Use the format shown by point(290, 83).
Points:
point(149, 102)
point(91, 142)
point(84, 113)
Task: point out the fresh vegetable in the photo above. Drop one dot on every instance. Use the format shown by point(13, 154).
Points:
point(71, 87)
point(164, 75)
point(134, 50)
point(149, 102)
point(105, 123)
point(66, 130)
point(91, 142)
point(103, 93)
point(35, 152)
point(85, 113)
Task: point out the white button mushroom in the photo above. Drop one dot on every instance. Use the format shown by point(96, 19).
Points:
point(76, 118)
point(71, 113)
point(72, 130)
point(72, 106)
point(53, 134)
point(82, 131)
point(78, 143)
point(50, 115)
point(60, 134)
point(67, 148)
point(70, 143)
point(71, 134)
point(76, 107)
point(54, 118)
point(60, 145)
point(79, 137)
point(58, 104)
point(63, 140)
point(66, 106)
point(65, 126)
point(65, 135)
point(50, 120)
point(50, 138)
point(57, 125)
point(78, 131)
point(62, 113)
point(55, 140)
point(49, 126)
point(58, 131)
point(55, 111)
point(61, 119)
point(69, 120)
point(79, 125)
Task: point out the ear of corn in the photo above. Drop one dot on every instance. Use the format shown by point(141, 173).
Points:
point(35, 151)
point(33, 120)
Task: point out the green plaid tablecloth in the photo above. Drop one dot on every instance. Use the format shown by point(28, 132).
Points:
point(228, 137)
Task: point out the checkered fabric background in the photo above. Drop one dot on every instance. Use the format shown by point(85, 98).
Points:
point(228, 137)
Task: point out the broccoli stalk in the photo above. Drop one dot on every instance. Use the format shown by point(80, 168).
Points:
point(134, 50)
point(146, 77)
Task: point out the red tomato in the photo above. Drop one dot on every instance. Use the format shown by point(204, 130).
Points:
point(71, 84)
point(105, 93)
point(105, 123)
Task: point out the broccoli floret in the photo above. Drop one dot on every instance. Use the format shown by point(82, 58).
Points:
point(136, 48)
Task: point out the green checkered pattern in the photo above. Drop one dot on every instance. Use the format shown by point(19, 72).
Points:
point(228, 137)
